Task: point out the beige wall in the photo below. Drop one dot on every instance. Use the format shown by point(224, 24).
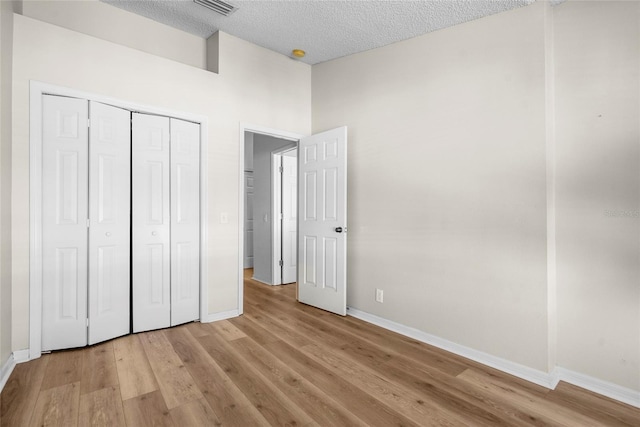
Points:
point(597, 46)
point(109, 23)
point(259, 87)
point(6, 45)
point(524, 137)
point(447, 181)
point(455, 129)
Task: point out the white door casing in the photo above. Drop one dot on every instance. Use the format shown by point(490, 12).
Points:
point(289, 216)
point(151, 224)
point(109, 214)
point(64, 222)
point(185, 221)
point(322, 240)
point(248, 219)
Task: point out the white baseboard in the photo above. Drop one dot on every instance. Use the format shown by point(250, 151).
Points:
point(220, 316)
point(5, 371)
point(261, 281)
point(549, 380)
point(504, 365)
point(21, 356)
point(605, 388)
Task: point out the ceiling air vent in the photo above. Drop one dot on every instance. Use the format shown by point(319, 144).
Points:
point(219, 6)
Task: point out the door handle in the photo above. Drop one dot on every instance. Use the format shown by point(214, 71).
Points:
point(338, 229)
point(154, 233)
point(108, 234)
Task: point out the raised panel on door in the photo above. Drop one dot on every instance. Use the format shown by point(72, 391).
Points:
point(64, 222)
point(185, 221)
point(248, 219)
point(109, 213)
point(151, 222)
point(289, 216)
point(322, 279)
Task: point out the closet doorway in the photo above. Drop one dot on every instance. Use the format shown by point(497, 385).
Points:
point(116, 207)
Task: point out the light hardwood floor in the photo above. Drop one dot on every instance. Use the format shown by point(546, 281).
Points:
point(284, 363)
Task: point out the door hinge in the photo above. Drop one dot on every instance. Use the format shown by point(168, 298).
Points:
point(281, 169)
point(88, 223)
point(88, 123)
point(87, 323)
point(281, 263)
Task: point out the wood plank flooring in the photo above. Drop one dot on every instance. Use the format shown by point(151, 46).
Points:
point(285, 364)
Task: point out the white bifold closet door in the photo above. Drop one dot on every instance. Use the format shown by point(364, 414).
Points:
point(185, 221)
point(166, 222)
point(65, 152)
point(110, 222)
point(85, 222)
point(151, 223)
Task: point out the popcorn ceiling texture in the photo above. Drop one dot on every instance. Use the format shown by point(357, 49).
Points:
point(324, 29)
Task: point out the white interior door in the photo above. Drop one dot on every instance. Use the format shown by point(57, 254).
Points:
point(322, 244)
point(289, 216)
point(64, 222)
point(185, 221)
point(248, 219)
point(151, 223)
point(109, 214)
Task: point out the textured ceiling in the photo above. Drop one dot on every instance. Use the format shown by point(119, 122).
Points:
point(324, 29)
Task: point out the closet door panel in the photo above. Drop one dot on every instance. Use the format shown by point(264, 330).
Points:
point(151, 223)
point(185, 221)
point(64, 222)
point(109, 213)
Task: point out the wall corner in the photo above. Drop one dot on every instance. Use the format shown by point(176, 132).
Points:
point(213, 53)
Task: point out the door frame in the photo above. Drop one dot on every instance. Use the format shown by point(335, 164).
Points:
point(244, 214)
point(36, 90)
point(276, 199)
point(262, 130)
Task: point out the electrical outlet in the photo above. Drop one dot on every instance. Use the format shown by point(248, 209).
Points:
point(224, 218)
point(379, 295)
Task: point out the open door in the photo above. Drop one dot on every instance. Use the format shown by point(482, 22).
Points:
point(322, 239)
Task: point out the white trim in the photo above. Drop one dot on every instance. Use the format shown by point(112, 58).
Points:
point(35, 218)
point(276, 222)
point(215, 317)
point(262, 130)
point(264, 282)
point(21, 356)
point(521, 371)
point(605, 388)
point(204, 214)
point(5, 371)
point(549, 380)
point(36, 90)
